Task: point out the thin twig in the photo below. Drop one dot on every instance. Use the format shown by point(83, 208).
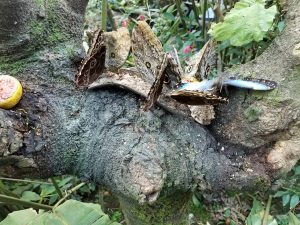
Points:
point(15, 201)
point(103, 14)
point(68, 194)
point(267, 211)
point(60, 194)
point(25, 181)
point(218, 12)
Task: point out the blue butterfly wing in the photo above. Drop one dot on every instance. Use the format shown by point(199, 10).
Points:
point(250, 83)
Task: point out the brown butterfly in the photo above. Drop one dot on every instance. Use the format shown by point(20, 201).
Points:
point(109, 50)
point(194, 97)
point(150, 60)
point(93, 65)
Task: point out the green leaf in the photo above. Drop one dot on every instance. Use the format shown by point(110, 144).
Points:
point(53, 199)
point(47, 190)
point(227, 213)
point(196, 201)
point(297, 170)
point(169, 16)
point(30, 196)
point(256, 207)
point(70, 213)
point(20, 217)
point(254, 219)
point(294, 201)
point(65, 181)
point(293, 220)
point(280, 193)
point(285, 199)
point(171, 9)
point(248, 21)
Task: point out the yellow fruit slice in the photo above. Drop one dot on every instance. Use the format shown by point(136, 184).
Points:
point(10, 91)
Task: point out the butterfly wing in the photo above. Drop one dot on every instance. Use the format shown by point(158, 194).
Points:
point(93, 65)
point(251, 83)
point(150, 60)
point(117, 48)
point(147, 51)
point(200, 64)
point(193, 97)
point(157, 86)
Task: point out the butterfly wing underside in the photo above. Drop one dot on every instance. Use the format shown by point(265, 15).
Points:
point(251, 83)
point(200, 65)
point(150, 60)
point(157, 86)
point(194, 97)
point(93, 65)
point(118, 45)
point(147, 51)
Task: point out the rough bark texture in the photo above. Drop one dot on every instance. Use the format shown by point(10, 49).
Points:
point(150, 157)
point(262, 123)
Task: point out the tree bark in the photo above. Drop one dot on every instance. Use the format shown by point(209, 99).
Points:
point(144, 158)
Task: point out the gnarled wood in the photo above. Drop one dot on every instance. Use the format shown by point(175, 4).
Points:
point(101, 135)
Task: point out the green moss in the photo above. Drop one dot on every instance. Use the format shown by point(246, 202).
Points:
point(37, 32)
point(273, 98)
point(165, 211)
point(40, 3)
point(48, 30)
point(262, 184)
point(56, 35)
point(252, 113)
point(15, 67)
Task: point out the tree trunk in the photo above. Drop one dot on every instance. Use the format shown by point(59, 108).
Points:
point(147, 159)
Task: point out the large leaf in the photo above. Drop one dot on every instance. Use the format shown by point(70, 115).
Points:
point(70, 213)
point(20, 217)
point(256, 215)
point(30, 196)
point(248, 21)
point(293, 220)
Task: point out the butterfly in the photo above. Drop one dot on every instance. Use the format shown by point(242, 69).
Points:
point(93, 65)
point(205, 92)
point(150, 60)
point(196, 89)
point(109, 50)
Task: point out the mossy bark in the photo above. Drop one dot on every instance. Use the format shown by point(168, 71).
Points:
point(101, 135)
point(171, 210)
